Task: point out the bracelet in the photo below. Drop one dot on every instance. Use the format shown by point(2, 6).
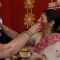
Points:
point(29, 33)
point(6, 28)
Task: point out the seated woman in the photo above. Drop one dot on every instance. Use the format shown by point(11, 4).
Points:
point(49, 46)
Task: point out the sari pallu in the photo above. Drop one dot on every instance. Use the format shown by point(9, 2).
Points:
point(50, 46)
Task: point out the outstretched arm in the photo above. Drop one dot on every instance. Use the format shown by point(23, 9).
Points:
point(14, 46)
point(17, 43)
point(8, 31)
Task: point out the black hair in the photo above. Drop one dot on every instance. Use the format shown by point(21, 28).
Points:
point(53, 15)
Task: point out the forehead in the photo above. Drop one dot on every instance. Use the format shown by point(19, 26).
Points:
point(43, 14)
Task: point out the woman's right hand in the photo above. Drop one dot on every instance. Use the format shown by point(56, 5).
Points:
point(35, 28)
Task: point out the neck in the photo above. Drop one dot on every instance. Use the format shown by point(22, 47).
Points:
point(47, 31)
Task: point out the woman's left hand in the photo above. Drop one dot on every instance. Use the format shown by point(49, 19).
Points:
point(36, 56)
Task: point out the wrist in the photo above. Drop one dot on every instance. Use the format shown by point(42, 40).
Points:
point(29, 33)
point(32, 31)
point(5, 28)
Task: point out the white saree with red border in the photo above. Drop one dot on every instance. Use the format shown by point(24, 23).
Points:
point(49, 46)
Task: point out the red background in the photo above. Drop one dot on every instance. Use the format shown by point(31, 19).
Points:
point(13, 11)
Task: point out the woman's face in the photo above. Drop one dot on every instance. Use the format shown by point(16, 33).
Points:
point(42, 20)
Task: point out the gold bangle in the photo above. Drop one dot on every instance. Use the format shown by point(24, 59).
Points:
point(29, 33)
point(5, 28)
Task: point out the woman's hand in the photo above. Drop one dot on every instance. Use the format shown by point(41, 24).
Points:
point(35, 28)
point(36, 56)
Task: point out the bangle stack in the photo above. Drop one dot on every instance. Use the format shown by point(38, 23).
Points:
point(29, 33)
point(5, 28)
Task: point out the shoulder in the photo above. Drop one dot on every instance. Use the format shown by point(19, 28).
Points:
point(56, 35)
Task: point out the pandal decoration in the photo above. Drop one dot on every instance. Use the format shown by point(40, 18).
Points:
point(29, 16)
point(29, 20)
point(29, 3)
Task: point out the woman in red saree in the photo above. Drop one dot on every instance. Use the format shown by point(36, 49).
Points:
point(49, 46)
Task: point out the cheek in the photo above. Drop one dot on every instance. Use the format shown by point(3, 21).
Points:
point(42, 22)
point(45, 20)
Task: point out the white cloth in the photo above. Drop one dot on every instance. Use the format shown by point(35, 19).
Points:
point(53, 52)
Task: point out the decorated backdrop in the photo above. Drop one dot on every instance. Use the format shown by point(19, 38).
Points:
point(13, 12)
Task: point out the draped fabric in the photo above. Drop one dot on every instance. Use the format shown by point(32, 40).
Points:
point(47, 41)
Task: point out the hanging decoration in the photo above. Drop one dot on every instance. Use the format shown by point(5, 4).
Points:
point(54, 4)
point(29, 16)
point(29, 20)
point(29, 3)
